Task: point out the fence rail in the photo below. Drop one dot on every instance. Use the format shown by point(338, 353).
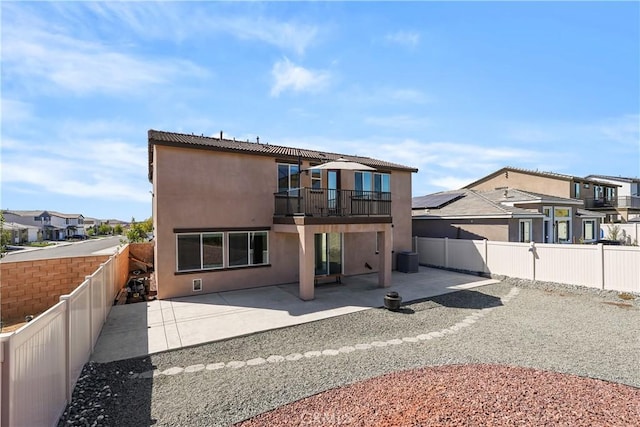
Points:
point(597, 266)
point(41, 362)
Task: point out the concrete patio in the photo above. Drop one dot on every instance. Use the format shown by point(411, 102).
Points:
point(144, 328)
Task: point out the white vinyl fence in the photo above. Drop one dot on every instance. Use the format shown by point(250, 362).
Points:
point(41, 362)
point(597, 266)
point(627, 233)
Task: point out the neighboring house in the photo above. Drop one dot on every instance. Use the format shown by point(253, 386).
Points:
point(506, 214)
point(596, 195)
point(626, 206)
point(53, 225)
point(59, 226)
point(232, 215)
point(21, 233)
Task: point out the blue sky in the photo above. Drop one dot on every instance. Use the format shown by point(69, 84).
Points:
point(455, 89)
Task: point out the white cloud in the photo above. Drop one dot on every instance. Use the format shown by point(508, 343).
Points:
point(403, 38)
point(38, 57)
point(288, 76)
point(193, 20)
point(624, 129)
point(100, 170)
point(14, 111)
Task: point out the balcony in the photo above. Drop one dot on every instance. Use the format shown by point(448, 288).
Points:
point(631, 202)
point(626, 202)
point(324, 202)
point(600, 203)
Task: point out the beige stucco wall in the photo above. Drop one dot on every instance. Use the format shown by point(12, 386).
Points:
point(203, 189)
point(472, 229)
point(537, 184)
point(497, 230)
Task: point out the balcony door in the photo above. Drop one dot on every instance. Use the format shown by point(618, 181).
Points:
point(328, 253)
point(333, 191)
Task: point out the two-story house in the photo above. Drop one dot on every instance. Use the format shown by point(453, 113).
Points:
point(626, 206)
point(59, 226)
point(561, 223)
point(506, 214)
point(52, 225)
point(231, 215)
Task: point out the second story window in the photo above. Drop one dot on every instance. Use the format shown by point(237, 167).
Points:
point(288, 179)
point(611, 193)
point(363, 183)
point(576, 189)
point(316, 179)
point(381, 183)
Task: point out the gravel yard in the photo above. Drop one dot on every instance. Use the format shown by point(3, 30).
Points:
point(546, 327)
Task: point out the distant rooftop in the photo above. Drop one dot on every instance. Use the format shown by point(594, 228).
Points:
point(537, 173)
point(614, 178)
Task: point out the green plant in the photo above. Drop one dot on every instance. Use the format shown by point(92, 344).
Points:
point(613, 232)
point(117, 229)
point(136, 232)
point(104, 229)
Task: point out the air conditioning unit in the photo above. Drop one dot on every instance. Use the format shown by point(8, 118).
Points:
point(586, 185)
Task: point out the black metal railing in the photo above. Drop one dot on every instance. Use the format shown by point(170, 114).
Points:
point(325, 202)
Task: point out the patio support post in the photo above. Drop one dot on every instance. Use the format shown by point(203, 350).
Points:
point(305, 263)
point(385, 253)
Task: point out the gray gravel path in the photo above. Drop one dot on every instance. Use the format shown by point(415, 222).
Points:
point(544, 326)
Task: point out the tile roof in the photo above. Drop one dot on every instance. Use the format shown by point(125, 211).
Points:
point(266, 149)
point(39, 213)
point(501, 203)
point(473, 204)
point(514, 195)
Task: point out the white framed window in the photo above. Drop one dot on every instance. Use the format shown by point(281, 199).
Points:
point(562, 221)
point(288, 179)
point(524, 234)
point(199, 251)
point(248, 248)
point(589, 230)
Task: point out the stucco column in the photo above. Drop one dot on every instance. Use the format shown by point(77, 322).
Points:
point(305, 263)
point(384, 254)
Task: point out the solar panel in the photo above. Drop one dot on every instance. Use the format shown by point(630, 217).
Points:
point(435, 201)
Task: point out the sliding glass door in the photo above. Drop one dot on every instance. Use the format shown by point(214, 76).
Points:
point(328, 253)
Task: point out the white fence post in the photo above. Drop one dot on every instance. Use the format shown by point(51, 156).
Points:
point(446, 252)
point(485, 256)
point(601, 274)
point(4, 391)
point(88, 279)
point(532, 249)
point(67, 358)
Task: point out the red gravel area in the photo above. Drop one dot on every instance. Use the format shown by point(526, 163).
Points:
point(465, 395)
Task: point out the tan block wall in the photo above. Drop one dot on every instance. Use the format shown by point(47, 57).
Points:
point(122, 269)
point(32, 287)
point(142, 251)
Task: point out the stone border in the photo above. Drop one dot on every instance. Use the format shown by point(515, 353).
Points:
point(276, 358)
